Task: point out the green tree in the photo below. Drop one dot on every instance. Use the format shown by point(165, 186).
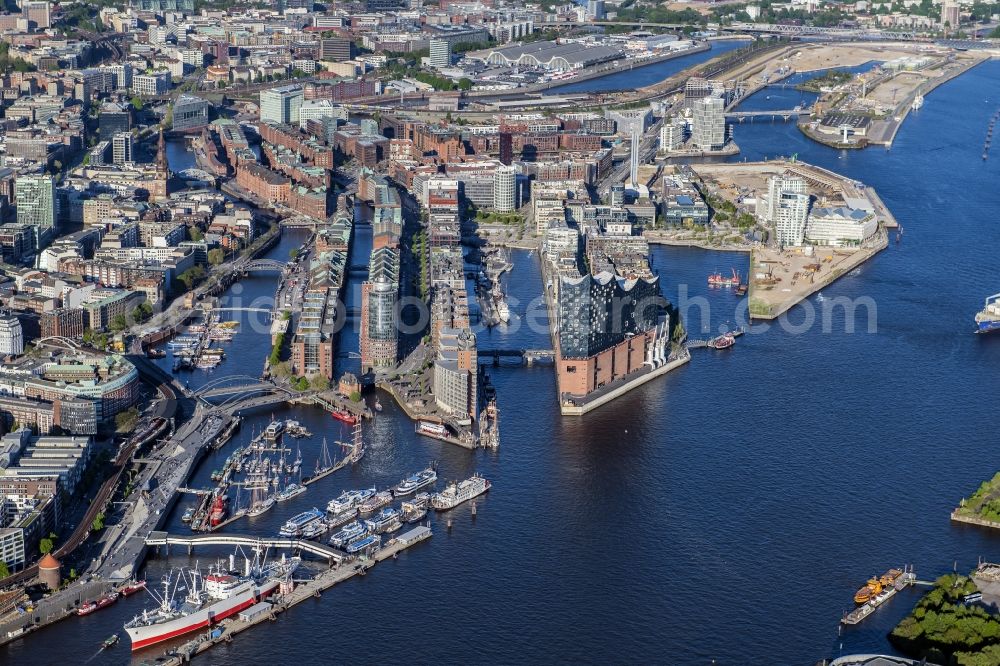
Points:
point(119, 322)
point(45, 546)
point(125, 421)
point(137, 103)
point(98, 523)
point(196, 234)
point(216, 256)
point(4, 571)
point(355, 397)
point(191, 277)
point(319, 383)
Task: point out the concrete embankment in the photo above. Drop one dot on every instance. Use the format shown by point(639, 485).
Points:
point(415, 416)
point(956, 517)
point(849, 264)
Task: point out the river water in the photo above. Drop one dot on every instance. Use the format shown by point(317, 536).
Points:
point(725, 512)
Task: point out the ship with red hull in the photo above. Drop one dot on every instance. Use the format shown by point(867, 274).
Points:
point(218, 511)
point(345, 416)
point(209, 600)
point(102, 602)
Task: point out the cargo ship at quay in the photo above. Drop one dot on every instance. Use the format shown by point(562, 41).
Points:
point(209, 599)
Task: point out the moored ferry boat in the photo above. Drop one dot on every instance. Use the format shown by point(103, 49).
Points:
point(336, 520)
point(273, 430)
point(385, 520)
point(132, 587)
point(456, 493)
point(415, 509)
point(431, 429)
point(988, 319)
point(370, 541)
point(188, 515)
point(349, 500)
point(356, 530)
point(415, 482)
point(301, 523)
point(376, 502)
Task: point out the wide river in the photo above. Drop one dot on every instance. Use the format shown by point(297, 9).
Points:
point(723, 514)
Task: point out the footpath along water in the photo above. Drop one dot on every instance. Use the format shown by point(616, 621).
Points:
point(727, 511)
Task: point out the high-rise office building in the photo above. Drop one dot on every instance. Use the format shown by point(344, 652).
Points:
point(672, 133)
point(190, 113)
point(708, 123)
point(112, 119)
point(281, 105)
point(11, 336)
point(790, 218)
point(440, 53)
point(787, 208)
point(379, 325)
point(776, 185)
point(595, 8)
point(121, 148)
point(505, 189)
point(506, 147)
point(337, 49)
point(36, 206)
point(950, 14)
point(37, 13)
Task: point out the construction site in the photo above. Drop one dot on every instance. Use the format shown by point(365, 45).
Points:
point(780, 277)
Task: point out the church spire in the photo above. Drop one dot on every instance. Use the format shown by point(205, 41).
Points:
point(161, 154)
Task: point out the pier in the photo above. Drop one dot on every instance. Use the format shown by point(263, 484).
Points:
point(304, 591)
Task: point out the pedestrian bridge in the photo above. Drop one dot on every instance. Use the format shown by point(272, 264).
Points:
point(190, 542)
point(263, 265)
point(781, 113)
point(528, 356)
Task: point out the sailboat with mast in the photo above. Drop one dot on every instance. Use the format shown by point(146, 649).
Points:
point(260, 502)
point(355, 451)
